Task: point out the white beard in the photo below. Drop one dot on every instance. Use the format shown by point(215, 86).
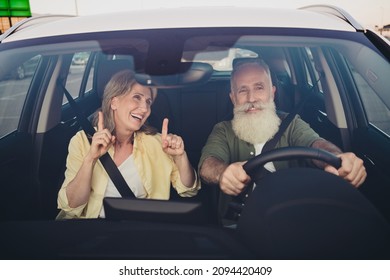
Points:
point(256, 128)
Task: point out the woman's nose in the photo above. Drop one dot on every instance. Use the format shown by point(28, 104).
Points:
point(144, 105)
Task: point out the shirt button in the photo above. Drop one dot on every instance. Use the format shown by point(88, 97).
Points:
point(252, 153)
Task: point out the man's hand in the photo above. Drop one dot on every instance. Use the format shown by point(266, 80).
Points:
point(352, 169)
point(234, 179)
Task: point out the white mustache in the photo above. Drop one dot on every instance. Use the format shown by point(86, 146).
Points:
point(252, 105)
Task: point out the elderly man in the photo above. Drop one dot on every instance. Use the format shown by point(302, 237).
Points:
point(255, 121)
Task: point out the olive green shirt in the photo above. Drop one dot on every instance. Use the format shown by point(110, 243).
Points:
point(223, 144)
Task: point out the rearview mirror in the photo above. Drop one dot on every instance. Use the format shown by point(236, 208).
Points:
point(190, 74)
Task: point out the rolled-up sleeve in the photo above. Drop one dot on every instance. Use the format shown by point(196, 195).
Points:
point(217, 145)
point(181, 189)
point(73, 164)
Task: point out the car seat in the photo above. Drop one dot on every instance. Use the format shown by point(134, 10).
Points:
point(107, 68)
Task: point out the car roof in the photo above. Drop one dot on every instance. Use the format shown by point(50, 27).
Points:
point(313, 17)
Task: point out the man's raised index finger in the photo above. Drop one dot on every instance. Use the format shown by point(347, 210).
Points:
point(164, 130)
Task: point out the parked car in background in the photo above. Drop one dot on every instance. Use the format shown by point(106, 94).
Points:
point(318, 55)
point(80, 58)
point(27, 68)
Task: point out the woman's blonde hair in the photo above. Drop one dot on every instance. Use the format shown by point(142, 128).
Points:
point(120, 84)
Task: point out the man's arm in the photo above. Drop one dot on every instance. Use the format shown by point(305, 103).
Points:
point(352, 168)
point(327, 146)
point(211, 170)
point(232, 178)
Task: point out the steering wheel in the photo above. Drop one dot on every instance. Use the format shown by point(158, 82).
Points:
point(252, 166)
point(306, 213)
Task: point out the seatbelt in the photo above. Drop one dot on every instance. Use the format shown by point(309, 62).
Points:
point(270, 144)
point(106, 160)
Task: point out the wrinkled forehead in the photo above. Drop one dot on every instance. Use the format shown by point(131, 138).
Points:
point(250, 68)
point(249, 73)
point(147, 92)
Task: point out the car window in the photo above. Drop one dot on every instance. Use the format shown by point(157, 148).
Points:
point(313, 76)
point(78, 71)
point(378, 114)
point(219, 59)
point(369, 72)
point(14, 84)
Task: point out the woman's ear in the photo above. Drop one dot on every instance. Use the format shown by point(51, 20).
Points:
point(114, 103)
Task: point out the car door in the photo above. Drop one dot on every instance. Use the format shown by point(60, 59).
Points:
point(18, 107)
point(363, 82)
point(362, 89)
point(371, 138)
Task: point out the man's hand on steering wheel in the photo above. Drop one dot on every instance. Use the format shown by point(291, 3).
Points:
point(234, 179)
point(352, 169)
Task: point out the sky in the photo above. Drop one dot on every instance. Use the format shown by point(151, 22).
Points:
point(368, 13)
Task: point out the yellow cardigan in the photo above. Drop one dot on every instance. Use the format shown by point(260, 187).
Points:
point(156, 169)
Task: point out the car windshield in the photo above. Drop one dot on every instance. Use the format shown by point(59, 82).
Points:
point(220, 51)
point(182, 94)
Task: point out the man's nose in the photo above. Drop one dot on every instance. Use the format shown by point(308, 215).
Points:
point(251, 96)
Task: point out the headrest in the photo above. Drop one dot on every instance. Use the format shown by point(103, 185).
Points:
point(242, 60)
point(107, 69)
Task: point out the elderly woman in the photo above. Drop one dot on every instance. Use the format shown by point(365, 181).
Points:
point(149, 162)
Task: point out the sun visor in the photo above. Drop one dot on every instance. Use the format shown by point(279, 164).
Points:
point(192, 73)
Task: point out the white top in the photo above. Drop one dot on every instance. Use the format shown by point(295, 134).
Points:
point(131, 176)
point(269, 165)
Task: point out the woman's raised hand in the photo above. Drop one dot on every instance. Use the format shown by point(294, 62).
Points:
point(172, 144)
point(101, 140)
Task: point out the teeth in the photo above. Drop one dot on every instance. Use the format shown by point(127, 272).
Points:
point(136, 116)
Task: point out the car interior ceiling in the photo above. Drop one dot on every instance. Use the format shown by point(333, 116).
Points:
point(192, 111)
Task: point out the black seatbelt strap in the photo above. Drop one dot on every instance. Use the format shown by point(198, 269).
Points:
point(106, 160)
point(270, 144)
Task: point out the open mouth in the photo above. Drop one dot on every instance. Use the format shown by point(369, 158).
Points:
point(252, 108)
point(137, 117)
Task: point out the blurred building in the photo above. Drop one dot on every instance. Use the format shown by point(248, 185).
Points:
point(13, 11)
point(386, 31)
